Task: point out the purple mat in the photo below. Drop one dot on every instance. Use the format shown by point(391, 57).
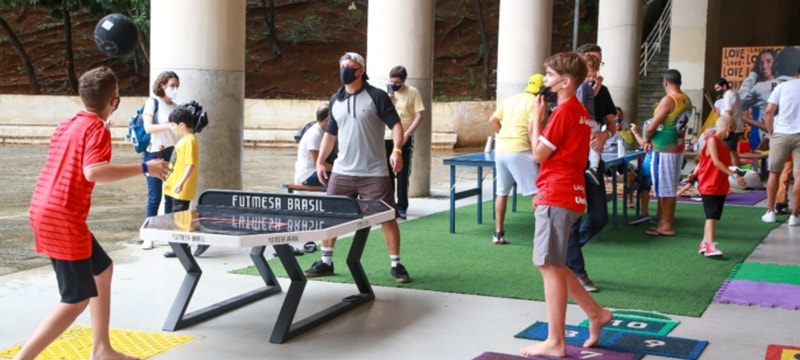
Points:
point(747, 198)
point(759, 293)
point(573, 352)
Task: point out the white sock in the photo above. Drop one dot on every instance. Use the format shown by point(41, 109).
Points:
point(327, 255)
point(395, 259)
point(594, 159)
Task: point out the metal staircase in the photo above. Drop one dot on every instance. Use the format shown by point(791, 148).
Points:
point(654, 62)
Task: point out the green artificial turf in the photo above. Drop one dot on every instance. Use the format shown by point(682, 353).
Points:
point(632, 270)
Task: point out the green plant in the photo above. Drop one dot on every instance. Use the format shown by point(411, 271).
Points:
point(354, 13)
point(309, 29)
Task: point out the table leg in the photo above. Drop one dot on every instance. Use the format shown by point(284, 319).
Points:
point(285, 326)
point(178, 318)
point(480, 195)
point(452, 199)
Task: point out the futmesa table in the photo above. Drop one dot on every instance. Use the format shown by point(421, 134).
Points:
point(255, 220)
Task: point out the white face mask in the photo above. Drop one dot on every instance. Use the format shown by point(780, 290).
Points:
point(171, 92)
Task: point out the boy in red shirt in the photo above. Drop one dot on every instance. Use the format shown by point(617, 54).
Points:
point(79, 155)
point(712, 173)
point(560, 149)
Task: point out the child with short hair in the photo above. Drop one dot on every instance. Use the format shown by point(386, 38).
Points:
point(712, 173)
point(78, 157)
point(180, 185)
point(560, 149)
point(645, 179)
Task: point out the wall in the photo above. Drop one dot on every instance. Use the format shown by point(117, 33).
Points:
point(31, 119)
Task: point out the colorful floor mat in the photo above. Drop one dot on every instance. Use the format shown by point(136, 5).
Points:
point(782, 352)
point(573, 352)
point(759, 293)
point(675, 347)
point(775, 273)
point(764, 285)
point(76, 343)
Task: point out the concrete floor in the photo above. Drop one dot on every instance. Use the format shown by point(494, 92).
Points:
point(399, 324)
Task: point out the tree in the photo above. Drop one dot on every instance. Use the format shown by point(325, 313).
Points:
point(23, 54)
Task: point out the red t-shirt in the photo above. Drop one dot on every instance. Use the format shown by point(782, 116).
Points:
point(560, 180)
point(710, 179)
point(62, 196)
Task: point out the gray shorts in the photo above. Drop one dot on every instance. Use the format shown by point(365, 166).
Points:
point(780, 147)
point(551, 234)
point(516, 167)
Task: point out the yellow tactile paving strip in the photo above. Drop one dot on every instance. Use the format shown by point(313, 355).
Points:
point(76, 343)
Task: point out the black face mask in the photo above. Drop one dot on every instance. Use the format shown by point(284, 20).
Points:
point(396, 87)
point(348, 75)
point(549, 94)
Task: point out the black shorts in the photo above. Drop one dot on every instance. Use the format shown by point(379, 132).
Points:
point(76, 278)
point(712, 205)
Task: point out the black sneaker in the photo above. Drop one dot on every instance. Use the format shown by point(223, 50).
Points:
point(781, 208)
point(400, 274)
point(319, 268)
point(594, 176)
point(169, 254)
point(200, 250)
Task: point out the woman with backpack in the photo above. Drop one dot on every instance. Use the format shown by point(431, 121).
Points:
point(162, 139)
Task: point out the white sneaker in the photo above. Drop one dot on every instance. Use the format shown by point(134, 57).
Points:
point(769, 217)
point(147, 244)
point(794, 221)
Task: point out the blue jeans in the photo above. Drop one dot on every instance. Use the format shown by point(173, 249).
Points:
point(596, 219)
point(155, 186)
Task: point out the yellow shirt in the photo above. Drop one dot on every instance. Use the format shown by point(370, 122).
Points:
point(408, 103)
point(514, 114)
point(187, 152)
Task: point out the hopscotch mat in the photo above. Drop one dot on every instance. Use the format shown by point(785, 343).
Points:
point(76, 343)
point(644, 344)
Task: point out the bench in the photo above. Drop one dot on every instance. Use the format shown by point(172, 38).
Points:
point(291, 188)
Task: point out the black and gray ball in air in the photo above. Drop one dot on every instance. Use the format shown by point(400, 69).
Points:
point(116, 35)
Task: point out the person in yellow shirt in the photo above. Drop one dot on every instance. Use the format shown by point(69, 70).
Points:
point(180, 185)
point(513, 157)
point(408, 103)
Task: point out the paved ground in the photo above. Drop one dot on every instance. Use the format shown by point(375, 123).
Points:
point(118, 208)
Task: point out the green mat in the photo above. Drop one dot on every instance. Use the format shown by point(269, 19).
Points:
point(774, 273)
point(633, 270)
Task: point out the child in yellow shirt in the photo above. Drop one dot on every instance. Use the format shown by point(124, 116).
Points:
point(180, 185)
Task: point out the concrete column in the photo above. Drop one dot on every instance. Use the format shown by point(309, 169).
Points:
point(619, 33)
point(687, 47)
point(203, 41)
point(523, 42)
point(401, 33)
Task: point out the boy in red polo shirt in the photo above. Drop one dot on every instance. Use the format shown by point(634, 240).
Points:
point(79, 155)
point(561, 149)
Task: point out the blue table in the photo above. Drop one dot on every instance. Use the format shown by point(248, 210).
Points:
point(486, 160)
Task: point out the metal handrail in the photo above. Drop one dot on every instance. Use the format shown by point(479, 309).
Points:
point(652, 45)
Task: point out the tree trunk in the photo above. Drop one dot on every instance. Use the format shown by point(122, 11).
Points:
point(484, 50)
point(69, 58)
point(26, 60)
point(269, 18)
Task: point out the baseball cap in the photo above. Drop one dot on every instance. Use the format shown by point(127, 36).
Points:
point(535, 83)
point(357, 58)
